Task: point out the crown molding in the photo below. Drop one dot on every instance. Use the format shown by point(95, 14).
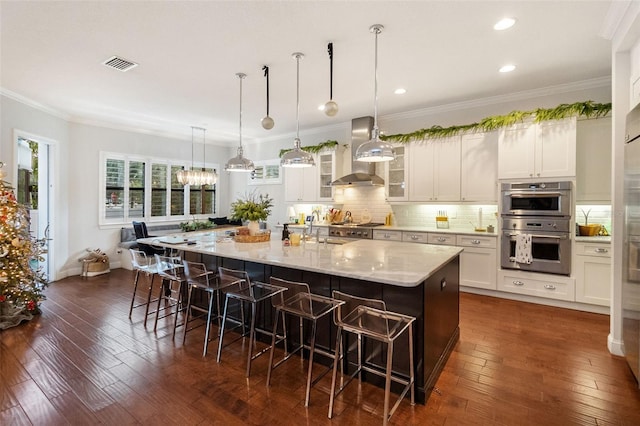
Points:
point(493, 100)
point(33, 104)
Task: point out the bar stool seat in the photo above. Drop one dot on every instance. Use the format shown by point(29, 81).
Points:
point(173, 279)
point(239, 287)
point(369, 318)
point(298, 301)
point(142, 264)
point(200, 279)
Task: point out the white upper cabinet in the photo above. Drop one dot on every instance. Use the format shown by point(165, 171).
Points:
point(593, 157)
point(328, 164)
point(542, 150)
point(434, 170)
point(479, 167)
point(395, 177)
point(301, 184)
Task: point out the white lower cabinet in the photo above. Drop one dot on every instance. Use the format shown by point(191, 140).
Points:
point(593, 273)
point(540, 285)
point(478, 261)
point(380, 234)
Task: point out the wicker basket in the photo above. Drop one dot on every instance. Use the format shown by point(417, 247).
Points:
point(260, 238)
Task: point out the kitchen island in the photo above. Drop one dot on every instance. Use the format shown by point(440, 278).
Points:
point(415, 279)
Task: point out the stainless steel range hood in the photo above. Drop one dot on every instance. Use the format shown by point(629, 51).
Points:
point(362, 174)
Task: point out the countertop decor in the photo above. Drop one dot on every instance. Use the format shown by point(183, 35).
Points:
point(252, 207)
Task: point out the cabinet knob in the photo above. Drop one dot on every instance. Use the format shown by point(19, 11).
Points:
point(441, 239)
point(475, 241)
point(414, 237)
point(601, 250)
point(387, 236)
point(518, 283)
point(549, 286)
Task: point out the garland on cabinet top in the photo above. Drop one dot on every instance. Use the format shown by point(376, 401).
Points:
point(588, 109)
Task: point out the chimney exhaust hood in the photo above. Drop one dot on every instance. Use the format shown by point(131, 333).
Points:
point(362, 174)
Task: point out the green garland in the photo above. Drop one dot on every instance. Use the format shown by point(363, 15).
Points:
point(587, 109)
point(314, 149)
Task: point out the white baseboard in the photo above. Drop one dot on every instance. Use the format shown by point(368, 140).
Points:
point(615, 346)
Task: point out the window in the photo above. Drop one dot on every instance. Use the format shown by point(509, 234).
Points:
point(135, 188)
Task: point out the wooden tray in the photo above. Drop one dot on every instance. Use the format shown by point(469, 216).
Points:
point(260, 238)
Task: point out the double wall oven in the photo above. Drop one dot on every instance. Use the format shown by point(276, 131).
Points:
point(541, 212)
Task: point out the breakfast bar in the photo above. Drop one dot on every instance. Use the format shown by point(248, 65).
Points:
point(420, 280)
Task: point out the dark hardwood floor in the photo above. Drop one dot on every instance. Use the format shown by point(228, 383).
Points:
point(84, 362)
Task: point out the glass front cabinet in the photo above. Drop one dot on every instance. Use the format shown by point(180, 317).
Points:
point(396, 176)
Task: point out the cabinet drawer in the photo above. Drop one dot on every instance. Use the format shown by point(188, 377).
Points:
point(445, 239)
point(590, 249)
point(474, 241)
point(551, 288)
point(379, 234)
point(415, 237)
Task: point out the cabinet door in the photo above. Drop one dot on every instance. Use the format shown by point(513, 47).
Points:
point(446, 169)
point(593, 280)
point(310, 180)
point(479, 167)
point(479, 268)
point(293, 184)
point(421, 173)
point(516, 149)
point(395, 176)
point(593, 160)
point(556, 148)
point(327, 172)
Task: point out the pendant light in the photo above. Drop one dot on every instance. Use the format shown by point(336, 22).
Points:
point(239, 163)
point(267, 122)
point(193, 176)
point(297, 157)
point(375, 150)
point(330, 108)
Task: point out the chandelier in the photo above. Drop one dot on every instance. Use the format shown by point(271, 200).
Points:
point(195, 176)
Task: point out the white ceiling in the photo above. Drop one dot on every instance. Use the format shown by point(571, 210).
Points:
point(189, 53)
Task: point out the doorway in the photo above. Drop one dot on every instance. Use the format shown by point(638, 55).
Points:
point(33, 189)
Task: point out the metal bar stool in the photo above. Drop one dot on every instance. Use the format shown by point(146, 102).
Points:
point(200, 279)
point(239, 287)
point(369, 318)
point(298, 301)
point(171, 292)
point(146, 265)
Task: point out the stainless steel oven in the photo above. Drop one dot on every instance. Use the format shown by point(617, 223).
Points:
point(536, 199)
point(550, 244)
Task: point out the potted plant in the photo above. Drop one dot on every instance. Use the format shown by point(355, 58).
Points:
point(252, 208)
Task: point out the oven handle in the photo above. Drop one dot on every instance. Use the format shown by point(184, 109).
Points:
point(555, 237)
point(532, 194)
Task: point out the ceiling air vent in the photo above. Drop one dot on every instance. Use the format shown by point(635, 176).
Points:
point(120, 64)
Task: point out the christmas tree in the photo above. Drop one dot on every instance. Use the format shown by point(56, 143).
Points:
point(20, 285)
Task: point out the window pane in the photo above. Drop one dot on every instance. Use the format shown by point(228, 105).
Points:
point(114, 189)
point(202, 198)
point(136, 189)
point(159, 189)
point(177, 193)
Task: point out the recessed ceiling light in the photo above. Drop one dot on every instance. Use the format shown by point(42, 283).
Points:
point(507, 68)
point(400, 91)
point(504, 24)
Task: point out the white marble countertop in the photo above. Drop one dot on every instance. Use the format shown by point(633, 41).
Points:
point(596, 239)
point(387, 262)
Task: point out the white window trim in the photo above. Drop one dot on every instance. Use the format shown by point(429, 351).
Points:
point(148, 161)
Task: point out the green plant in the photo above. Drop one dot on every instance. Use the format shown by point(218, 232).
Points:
point(314, 149)
point(195, 224)
point(252, 207)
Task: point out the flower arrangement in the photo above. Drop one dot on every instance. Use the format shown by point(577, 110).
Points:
point(252, 207)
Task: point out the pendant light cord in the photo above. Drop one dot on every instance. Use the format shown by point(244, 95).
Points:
point(204, 148)
point(192, 143)
point(298, 96)
point(376, 30)
point(266, 74)
point(240, 76)
point(330, 50)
